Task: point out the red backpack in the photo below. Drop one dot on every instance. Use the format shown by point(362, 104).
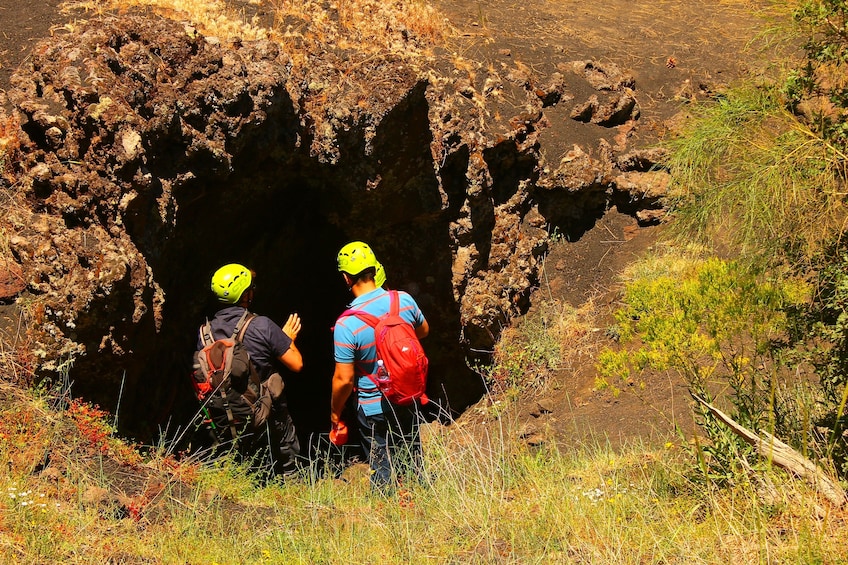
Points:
point(402, 378)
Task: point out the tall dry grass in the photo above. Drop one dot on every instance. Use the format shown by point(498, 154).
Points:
point(364, 25)
point(753, 179)
point(486, 498)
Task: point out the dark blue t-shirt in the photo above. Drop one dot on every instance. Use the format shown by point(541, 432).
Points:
point(264, 340)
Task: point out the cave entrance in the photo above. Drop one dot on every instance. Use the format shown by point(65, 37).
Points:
point(187, 155)
point(285, 214)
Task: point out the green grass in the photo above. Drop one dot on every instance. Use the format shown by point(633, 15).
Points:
point(489, 499)
point(751, 180)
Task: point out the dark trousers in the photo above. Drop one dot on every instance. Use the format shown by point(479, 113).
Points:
point(392, 441)
point(283, 442)
point(272, 449)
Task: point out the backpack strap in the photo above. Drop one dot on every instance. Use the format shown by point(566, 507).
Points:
point(238, 335)
point(206, 337)
point(371, 319)
point(394, 304)
point(205, 331)
point(241, 325)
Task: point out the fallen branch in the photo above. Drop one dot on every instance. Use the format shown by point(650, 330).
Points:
point(782, 455)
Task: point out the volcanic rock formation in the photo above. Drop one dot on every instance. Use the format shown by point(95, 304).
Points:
point(150, 155)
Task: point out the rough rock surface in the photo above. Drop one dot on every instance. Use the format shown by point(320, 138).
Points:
point(140, 138)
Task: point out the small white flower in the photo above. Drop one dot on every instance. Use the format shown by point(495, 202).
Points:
point(594, 495)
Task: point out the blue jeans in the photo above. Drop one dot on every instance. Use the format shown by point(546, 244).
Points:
point(392, 441)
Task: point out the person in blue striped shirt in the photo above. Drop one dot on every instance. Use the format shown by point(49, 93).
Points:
point(390, 433)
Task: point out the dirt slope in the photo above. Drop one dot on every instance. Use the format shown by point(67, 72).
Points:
point(678, 52)
point(21, 26)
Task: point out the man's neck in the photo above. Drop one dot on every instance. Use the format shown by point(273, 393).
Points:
point(362, 287)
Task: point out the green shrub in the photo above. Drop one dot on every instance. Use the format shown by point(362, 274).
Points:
point(718, 324)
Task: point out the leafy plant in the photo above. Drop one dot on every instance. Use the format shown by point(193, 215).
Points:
point(719, 325)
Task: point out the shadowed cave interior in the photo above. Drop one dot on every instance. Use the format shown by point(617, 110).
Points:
point(285, 215)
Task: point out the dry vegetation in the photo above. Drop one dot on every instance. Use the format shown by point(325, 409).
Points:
point(366, 26)
point(75, 494)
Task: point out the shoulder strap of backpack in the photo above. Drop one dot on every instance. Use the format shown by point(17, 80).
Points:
point(206, 337)
point(370, 319)
point(394, 301)
point(238, 335)
point(241, 326)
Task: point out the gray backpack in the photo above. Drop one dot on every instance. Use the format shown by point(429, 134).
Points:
point(226, 382)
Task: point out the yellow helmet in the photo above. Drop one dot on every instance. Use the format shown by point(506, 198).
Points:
point(230, 281)
point(355, 257)
point(380, 275)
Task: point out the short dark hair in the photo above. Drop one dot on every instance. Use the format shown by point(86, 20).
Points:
point(366, 275)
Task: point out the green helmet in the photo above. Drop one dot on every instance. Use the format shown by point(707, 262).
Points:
point(230, 281)
point(355, 257)
point(380, 276)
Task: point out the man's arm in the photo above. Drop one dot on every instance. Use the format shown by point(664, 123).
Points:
point(292, 358)
point(423, 330)
point(342, 387)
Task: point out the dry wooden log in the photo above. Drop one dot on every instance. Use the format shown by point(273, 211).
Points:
point(782, 455)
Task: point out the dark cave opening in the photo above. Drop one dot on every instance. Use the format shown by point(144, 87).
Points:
point(285, 215)
point(294, 256)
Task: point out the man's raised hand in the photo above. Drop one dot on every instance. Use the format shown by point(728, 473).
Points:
point(292, 326)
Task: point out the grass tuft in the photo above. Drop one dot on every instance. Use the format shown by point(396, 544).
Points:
point(530, 350)
point(750, 179)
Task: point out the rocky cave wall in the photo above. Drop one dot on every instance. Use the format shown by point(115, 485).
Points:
point(150, 155)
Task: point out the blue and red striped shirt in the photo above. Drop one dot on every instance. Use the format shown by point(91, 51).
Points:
point(353, 341)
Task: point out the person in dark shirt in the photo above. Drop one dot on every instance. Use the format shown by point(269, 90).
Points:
point(269, 346)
